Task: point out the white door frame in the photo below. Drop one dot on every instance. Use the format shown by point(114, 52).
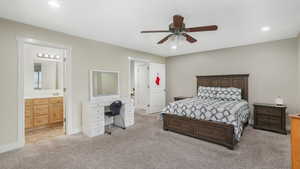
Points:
point(21, 41)
point(129, 83)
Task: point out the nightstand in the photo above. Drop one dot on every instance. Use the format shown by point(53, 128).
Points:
point(270, 117)
point(180, 98)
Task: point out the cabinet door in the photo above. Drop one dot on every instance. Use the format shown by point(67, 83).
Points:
point(56, 112)
point(41, 110)
point(261, 121)
point(40, 115)
point(28, 122)
point(28, 114)
point(41, 121)
point(275, 123)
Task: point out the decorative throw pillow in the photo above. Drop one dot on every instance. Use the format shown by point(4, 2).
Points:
point(207, 92)
point(229, 94)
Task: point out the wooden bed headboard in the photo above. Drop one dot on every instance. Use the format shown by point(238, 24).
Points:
point(236, 80)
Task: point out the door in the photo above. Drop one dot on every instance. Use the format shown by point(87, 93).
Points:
point(56, 110)
point(157, 83)
point(65, 100)
point(141, 83)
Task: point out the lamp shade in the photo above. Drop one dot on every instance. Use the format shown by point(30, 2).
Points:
point(279, 101)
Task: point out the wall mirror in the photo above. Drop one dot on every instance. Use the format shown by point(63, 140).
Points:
point(104, 83)
point(47, 75)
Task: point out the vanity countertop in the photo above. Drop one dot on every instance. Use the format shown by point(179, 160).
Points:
point(107, 100)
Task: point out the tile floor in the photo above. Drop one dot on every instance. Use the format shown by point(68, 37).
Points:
point(34, 136)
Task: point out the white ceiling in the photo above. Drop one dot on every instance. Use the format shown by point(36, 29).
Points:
point(120, 21)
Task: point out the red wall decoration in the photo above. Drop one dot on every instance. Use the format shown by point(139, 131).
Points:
point(157, 80)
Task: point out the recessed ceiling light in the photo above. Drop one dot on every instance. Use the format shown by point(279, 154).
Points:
point(265, 29)
point(174, 47)
point(54, 3)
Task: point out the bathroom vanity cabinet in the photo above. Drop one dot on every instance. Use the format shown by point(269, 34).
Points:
point(43, 112)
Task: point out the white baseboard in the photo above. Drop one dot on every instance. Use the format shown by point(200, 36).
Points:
point(10, 147)
point(75, 131)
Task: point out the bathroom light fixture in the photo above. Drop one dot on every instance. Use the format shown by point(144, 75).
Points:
point(265, 29)
point(48, 56)
point(54, 3)
point(40, 55)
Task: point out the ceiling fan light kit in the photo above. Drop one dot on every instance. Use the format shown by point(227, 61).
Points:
point(178, 30)
point(176, 40)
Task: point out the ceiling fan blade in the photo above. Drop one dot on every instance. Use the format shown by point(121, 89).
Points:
point(165, 39)
point(177, 21)
point(189, 38)
point(202, 28)
point(159, 31)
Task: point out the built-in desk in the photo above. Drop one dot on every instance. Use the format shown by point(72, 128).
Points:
point(94, 120)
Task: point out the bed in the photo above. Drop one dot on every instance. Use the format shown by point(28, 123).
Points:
point(211, 119)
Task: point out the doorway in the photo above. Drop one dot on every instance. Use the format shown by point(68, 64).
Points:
point(44, 100)
point(140, 85)
point(147, 85)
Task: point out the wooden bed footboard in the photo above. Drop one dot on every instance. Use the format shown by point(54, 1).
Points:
point(216, 132)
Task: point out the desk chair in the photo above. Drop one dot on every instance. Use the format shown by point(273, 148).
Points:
point(114, 110)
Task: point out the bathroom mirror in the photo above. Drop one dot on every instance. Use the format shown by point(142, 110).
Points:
point(104, 83)
point(47, 75)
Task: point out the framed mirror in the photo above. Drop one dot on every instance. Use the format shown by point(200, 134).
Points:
point(104, 84)
point(47, 75)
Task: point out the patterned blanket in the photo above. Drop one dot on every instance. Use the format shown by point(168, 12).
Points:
point(229, 112)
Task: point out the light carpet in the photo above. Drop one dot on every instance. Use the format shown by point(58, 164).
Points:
point(147, 146)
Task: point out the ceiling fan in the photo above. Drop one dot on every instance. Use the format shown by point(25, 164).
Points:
point(178, 28)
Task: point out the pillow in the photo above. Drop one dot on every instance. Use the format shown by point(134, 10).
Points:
point(229, 94)
point(207, 92)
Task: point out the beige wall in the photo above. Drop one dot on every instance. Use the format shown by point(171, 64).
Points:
point(272, 67)
point(86, 54)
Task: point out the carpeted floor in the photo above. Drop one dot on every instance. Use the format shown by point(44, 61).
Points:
point(147, 146)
